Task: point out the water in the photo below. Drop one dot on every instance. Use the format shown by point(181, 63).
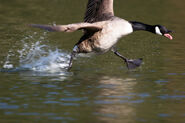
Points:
point(36, 87)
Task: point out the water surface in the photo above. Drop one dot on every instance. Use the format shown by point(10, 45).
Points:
point(35, 87)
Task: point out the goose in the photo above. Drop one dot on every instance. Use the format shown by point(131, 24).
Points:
point(101, 31)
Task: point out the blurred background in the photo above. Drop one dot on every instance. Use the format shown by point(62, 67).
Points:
point(35, 87)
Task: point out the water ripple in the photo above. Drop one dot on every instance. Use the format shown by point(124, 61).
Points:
point(7, 106)
point(177, 97)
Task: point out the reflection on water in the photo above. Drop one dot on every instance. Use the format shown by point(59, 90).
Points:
point(118, 92)
point(114, 99)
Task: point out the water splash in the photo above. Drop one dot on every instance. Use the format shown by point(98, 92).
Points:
point(8, 64)
point(39, 57)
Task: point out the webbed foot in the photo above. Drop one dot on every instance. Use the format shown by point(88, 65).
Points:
point(132, 64)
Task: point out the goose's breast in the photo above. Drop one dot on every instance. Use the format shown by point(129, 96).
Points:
point(112, 31)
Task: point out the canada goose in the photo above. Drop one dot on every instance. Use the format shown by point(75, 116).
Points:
point(102, 30)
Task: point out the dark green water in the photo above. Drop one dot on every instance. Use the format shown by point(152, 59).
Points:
point(99, 89)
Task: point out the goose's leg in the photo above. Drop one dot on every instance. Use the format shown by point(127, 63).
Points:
point(131, 64)
point(73, 54)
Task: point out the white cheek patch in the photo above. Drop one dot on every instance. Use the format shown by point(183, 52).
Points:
point(157, 31)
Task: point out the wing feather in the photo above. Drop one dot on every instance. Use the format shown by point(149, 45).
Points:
point(69, 27)
point(98, 10)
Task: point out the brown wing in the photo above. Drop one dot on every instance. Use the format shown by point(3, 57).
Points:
point(48, 27)
point(69, 27)
point(98, 10)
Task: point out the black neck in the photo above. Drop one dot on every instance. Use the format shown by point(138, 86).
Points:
point(141, 26)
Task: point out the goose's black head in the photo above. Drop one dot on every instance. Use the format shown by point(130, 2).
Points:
point(161, 30)
point(156, 29)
